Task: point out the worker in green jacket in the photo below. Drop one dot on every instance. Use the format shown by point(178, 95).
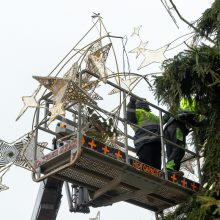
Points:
point(176, 129)
point(147, 145)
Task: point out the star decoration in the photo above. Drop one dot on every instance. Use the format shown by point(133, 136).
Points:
point(140, 49)
point(153, 56)
point(3, 170)
point(129, 82)
point(13, 153)
point(96, 62)
point(3, 187)
point(29, 149)
point(72, 72)
point(57, 109)
point(96, 96)
point(114, 91)
point(188, 166)
point(29, 101)
point(136, 31)
point(96, 46)
point(188, 163)
point(90, 85)
point(8, 153)
point(20, 153)
point(65, 91)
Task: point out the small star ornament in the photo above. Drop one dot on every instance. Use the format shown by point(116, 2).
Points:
point(136, 31)
point(153, 56)
point(29, 101)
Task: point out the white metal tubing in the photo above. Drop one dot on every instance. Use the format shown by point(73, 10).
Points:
point(36, 132)
point(79, 133)
point(125, 128)
point(163, 155)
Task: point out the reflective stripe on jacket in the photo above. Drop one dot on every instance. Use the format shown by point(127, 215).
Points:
point(146, 120)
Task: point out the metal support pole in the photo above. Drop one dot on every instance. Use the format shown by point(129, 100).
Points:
point(125, 127)
point(79, 132)
point(74, 120)
point(46, 110)
point(162, 146)
point(36, 132)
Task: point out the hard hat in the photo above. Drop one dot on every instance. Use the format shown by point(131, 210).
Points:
point(142, 104)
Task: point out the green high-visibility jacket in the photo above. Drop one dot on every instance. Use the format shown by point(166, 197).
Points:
point(146, 120)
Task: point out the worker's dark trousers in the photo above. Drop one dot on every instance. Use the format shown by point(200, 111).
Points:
point(174, 153)
point(150, 154)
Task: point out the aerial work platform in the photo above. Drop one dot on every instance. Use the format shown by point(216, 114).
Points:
point(109, 173)
point(104, 171)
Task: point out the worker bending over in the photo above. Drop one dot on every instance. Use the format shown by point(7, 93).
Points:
point(176, 129)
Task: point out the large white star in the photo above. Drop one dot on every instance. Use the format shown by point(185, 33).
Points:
point(140, 49)
point(136, 31)
point(64, 90)
point(153, 56)
point(29, 101)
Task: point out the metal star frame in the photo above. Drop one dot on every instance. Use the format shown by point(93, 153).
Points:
point(65, 91)
point(96, 62)
point(8, 153)
point(28, 152)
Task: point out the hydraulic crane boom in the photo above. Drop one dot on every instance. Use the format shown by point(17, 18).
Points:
point(48, 200)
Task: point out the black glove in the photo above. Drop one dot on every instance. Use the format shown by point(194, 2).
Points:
point(132, 99)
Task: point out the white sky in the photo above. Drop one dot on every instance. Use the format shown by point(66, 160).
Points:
point(35, 35)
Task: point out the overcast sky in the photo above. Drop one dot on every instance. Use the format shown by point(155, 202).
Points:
point(35, 35)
